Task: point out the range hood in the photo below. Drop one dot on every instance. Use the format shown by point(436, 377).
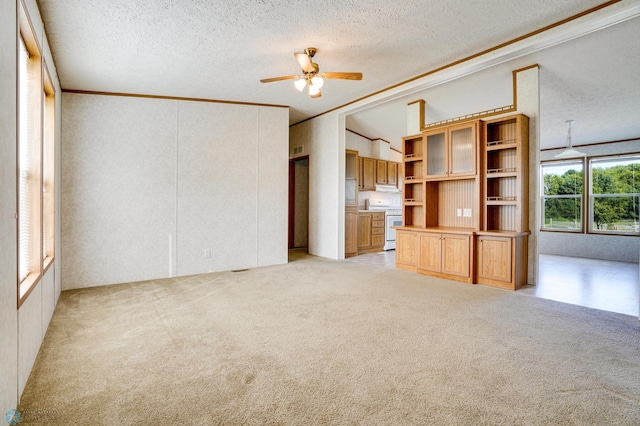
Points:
point(387, 188)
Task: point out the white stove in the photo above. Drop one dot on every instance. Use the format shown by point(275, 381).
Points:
point(391, 204)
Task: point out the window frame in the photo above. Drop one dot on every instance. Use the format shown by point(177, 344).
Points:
point(591, 229)
point(544, 197)
point(31, 94)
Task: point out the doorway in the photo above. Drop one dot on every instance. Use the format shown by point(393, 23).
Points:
point(299, 202)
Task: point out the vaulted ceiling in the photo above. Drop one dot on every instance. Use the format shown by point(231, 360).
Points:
point(219, 50)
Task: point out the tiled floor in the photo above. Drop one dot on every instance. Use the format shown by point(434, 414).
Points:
point(599, 284)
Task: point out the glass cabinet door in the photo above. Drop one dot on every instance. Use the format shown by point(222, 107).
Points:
point(436, 154)
point(463, 149)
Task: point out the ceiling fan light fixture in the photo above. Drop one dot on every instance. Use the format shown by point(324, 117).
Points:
point(570, 152)
point(317, 82)
point(314, 91)
point(300, 84)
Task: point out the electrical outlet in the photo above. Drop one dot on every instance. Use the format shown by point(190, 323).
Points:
point(467, 213)
point(458, 212)
point(207, 253)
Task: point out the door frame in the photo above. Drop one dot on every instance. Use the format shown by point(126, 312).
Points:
point(292, 197)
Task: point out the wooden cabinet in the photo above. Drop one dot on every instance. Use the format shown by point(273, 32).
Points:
point(368, 174)
point(374, 172)
point(381, 172)
point(392, 173)
point(505, 177)
point(370, 232)
point(406, 250)
point(351, 231)
point(451, 152)
point(502, 244)
point(502, 260)
point(413, 194)
point(445, 255)
point(465, 202)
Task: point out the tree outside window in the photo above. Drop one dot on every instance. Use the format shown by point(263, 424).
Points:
point(615, 190)
point(562, 189)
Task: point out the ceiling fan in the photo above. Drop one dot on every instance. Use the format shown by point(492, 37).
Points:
point(311, 75)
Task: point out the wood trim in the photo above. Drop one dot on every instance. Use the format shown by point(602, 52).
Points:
point(515, 83)
point(475, 55)
point(367, 137)
point(172, 98)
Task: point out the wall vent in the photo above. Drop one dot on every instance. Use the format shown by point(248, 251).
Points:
point(297, 149)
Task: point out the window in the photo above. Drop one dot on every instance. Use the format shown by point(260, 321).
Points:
point(562, 184)
point(35, 162)
point(48, 171)
point(614, 193)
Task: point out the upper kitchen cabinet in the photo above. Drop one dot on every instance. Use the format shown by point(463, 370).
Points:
point(368, 174)
point(351, 178)
point(392, 173)
point(451, 152)
point(381, 172)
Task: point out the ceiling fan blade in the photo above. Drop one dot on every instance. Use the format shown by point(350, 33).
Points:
point(284, 77)
point(305, 61)
point(342, 75)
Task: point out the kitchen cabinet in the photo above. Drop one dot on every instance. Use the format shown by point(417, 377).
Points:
point(368, 174)
point(451, 151)
point(381, 172)
point(392, 173)
point(370, 232)
point(445, 255)
point(351, 231)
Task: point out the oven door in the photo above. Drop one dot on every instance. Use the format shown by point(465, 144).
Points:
point(390, 233)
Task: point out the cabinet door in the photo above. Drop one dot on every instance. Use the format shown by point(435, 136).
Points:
point(494, 258)
point(360, 173)
point(364, 231)
point(436, 153)
point(430, 252)
point(351, 233)
point(381, 172)
point(368, 174)
point(406, 249)
point(392, 173)
point(462, 149)
point(455, 254)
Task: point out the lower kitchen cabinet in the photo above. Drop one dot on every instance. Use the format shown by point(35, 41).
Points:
point(351, 231)
point(502, 260)
point(446, 255)
point(370, 232)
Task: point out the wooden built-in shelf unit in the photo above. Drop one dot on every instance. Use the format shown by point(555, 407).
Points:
point(465, 202)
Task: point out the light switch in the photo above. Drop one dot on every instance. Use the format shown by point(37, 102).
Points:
point(458, 212)
point(467, 212)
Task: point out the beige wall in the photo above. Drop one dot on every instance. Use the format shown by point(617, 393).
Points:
point(153, 188)
point(21, 331)
point(8, 272)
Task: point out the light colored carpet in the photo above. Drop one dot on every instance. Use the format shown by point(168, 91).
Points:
point(321, 342)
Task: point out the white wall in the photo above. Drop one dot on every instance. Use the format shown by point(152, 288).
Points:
point(325, 146)
point(153, 188)
point(21, 331)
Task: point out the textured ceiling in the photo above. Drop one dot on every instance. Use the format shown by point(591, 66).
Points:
point(214, 49)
